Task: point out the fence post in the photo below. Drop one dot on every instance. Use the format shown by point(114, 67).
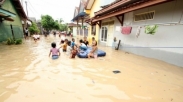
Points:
point(12, 32)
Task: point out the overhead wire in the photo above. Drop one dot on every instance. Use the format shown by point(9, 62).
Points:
point(33, 7)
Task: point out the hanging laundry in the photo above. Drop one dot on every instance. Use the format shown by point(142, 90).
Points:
point(151, 29)
point(126, 30)
point(138, 31)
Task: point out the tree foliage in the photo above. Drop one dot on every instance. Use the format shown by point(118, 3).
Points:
point(61, 20)
point(63, 27)
point(47, 22)
point(56, 25)
point(33, 29)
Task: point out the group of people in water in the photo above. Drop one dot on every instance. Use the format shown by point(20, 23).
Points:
point(72, 49)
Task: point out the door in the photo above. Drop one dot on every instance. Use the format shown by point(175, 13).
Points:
point(110, 34)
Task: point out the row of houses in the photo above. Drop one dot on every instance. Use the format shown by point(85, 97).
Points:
point(150, 28)
point(13, 19)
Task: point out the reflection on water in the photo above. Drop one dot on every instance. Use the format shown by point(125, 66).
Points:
point(27, 74)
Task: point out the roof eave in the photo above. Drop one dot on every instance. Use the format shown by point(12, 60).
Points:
point(87, 4)
point(112, 6)
point(146, 4)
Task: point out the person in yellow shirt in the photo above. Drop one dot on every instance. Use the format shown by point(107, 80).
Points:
point(64, 46)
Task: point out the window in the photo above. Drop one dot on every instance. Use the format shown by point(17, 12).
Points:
point(104, 34)
point(94, 30)
point(144, 16)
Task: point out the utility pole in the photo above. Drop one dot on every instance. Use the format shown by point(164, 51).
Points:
point(26, 8)
point(22, 2)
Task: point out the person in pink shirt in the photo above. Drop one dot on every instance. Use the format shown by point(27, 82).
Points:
point(54, 51)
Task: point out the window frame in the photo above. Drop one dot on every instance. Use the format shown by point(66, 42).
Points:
point(93, 30)
point(142, 14)
point(104, 33)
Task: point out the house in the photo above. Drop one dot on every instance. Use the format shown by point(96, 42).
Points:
point(128, 21)
point(11, 17)
point(79, 17)
point(73, 28)
point(91, 7)
point(33, 19)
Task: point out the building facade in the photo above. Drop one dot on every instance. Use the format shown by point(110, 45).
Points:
point(129, 21)
point(11, 15)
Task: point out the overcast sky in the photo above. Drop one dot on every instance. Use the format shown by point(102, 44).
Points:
point(56, 8)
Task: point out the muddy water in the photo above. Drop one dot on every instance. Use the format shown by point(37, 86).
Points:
point(27, 74)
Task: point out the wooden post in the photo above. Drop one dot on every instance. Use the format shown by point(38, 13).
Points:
point(77, 26)
point(117, 48)
point(120, 20)
point(12, 32)
point(82, 22)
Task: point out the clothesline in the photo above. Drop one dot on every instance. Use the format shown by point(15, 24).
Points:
point(159, 24)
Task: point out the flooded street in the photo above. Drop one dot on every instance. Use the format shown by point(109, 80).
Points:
point(27, 74)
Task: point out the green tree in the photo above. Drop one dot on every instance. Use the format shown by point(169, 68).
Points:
point(56, 25)
point(47, 22)
point(33, 29)
point(63, 27)
point(61, 20)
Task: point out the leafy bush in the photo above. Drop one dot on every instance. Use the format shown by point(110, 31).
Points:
point(18, 41)
point(33, 29)
point(10, 41)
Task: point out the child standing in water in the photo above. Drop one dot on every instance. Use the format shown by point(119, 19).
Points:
point(73, 43)
point(94, 51)
point(64, 46)
point(54, 51)
point(74, 52)
point(69, 48)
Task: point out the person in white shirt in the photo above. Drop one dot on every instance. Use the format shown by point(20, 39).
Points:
point(38, 36)
point(82, 46)
point(69, 48)
point(35, 37)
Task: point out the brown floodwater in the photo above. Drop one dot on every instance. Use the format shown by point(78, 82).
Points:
point(27, 74)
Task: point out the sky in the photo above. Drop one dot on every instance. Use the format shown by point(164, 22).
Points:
point(56, 8)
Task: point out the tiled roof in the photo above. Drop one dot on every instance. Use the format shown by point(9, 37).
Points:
point(127, 6)
point(73, 24)
point(114, 5)
point(105, 6)
point(18, 7)
point(119, 4)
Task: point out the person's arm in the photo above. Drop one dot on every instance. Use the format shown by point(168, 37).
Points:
point(60, 46)
point(58, 52)
point(50, 53)
point(93, 50)
point(87, 43)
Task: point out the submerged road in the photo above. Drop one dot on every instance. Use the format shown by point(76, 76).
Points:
point(27, 74)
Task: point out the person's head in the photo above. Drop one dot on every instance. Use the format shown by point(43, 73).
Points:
point(93, 39)
point(85, 38)
point(73, 39)
point(94, 44)
point(62, 41)
point(66, 40)
point(81, 41)
point(53, 44)
point(75, 47)
point(69, 43)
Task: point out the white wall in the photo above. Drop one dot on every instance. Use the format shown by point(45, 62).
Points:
point(74, 31)
point(166, 44)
